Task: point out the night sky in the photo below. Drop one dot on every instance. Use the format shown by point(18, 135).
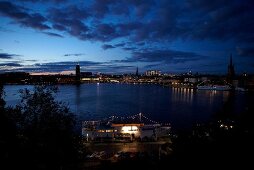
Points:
point(116, 36)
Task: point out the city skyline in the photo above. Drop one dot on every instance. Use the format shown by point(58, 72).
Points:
point(119, 36)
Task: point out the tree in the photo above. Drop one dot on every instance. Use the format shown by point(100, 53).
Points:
point(2, 102)
point(46, 138)
point(7, 132)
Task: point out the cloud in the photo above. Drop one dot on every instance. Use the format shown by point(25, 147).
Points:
point(143, 20)
point(107, 46)
point(53, 34)
point(245, 51)
point(129, 48)
point(22, 16)
point(30, 60)
point(149, 66)
point(163, 56)
point(103, 8)
point(10, 64)
point(53, 66)
point(70, 19)
point(119, 45)
point(43, 1)
point(8, 56)
point(106, 67)
point(141, 43)
point(76, 54)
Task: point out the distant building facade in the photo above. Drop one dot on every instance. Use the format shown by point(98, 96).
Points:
point(153, 73)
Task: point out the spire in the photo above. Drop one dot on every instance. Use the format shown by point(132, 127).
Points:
point(231, 62)
point(231, 70)
point(137, 71)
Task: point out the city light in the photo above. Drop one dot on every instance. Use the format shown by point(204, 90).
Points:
point(130, 129)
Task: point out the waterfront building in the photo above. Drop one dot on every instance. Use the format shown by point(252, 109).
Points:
point(124, 129)
point(77, 73)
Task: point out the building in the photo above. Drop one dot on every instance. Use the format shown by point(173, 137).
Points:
point(124, 129)
point(137, 72)
point(77, 73)
point(153, 73)
point(231, 71)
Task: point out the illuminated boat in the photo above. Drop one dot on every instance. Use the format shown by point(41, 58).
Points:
point(215, 87)
point(124, 129)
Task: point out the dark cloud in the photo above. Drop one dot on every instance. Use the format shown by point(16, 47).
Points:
point(22, 16)
point(53, 34)
point(61, 66)
point(69, 63)
point(77, 54)
point(245, 51)
point(161, 20)
point(10, 64)
point(105, 32)
point(30, 60)
point(107, 46)
point(101, 7)
point(7, 56)
point(42, 1)
point(129, 48)
point(149, 66)
point(140, 8)
point(162, 56)
point(107, 67)
point(226, 20)
point(59, 27)
point(69, 19)
point(141, 43)
point(167, 56)
point(119, 45)
point(67, 13)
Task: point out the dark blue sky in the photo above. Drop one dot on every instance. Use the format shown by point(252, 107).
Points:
point(116, 36)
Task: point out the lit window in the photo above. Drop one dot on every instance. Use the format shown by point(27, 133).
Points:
point(129, 129)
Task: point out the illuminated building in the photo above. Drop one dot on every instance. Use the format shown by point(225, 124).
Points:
point(119, 129)
point(153, 73)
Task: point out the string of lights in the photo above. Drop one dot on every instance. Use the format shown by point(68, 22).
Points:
point(136, 116)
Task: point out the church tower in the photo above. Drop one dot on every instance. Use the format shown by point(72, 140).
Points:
point(137, 72)
point(231, 70)
point(77, 73)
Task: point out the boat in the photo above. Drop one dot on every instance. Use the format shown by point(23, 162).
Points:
point(122, 129)
point(214, 87)
point(205, 87)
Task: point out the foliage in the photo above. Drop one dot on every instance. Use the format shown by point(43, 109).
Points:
point(44, 131)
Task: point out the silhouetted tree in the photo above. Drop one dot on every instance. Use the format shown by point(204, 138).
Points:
point(7, 132)
point(45, 136)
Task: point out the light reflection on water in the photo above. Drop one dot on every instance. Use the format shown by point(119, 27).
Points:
point(180, 106)
point(182, 94)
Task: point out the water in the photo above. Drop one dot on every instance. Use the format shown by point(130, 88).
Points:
point(180, 107)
